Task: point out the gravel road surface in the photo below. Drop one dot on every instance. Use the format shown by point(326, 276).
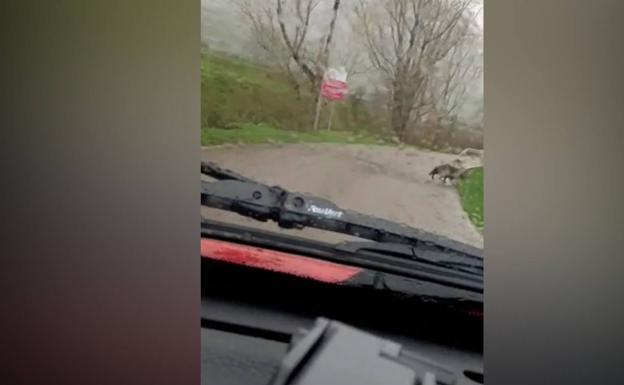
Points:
point(387, 182)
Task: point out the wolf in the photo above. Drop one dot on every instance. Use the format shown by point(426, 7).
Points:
point(447, 172)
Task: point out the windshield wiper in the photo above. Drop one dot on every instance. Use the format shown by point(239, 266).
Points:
point(426, 255)
point(234, 192)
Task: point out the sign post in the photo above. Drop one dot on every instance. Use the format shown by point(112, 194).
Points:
point(331, 115)
point(333, 88)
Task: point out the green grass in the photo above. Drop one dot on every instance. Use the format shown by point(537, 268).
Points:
point(471, 195)
point(234, 90)
point(266, 133)
point(238, 92)
point(238, 72)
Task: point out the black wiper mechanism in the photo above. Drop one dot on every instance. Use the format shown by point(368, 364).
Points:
point(234, 192)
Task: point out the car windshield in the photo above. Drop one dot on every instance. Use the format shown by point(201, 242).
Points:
point(374, 105)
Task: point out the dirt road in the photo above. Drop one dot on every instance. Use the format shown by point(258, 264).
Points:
point(387, 182)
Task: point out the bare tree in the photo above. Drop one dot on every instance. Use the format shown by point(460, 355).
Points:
point(405, 40)
point(462, 65)
point(282, 29)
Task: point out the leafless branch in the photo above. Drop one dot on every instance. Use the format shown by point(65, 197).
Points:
point(406, 40)
point(281, 28)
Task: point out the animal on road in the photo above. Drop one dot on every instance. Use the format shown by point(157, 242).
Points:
point(446, 172)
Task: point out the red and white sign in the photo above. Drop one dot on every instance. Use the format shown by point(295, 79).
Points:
point(334, 89)
point(334, 86)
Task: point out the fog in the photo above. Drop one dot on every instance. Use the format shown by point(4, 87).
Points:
point(224, 29)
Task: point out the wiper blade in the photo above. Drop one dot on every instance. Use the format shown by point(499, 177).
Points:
point(214, 170)
point(237, 193)
point(424, 254)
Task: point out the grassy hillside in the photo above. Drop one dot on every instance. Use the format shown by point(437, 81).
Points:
point(242, 101)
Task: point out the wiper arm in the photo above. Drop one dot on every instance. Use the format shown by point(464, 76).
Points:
point(215, 171)
point(234, 192)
